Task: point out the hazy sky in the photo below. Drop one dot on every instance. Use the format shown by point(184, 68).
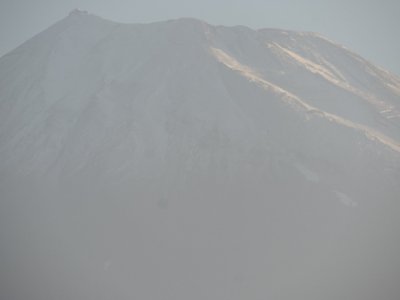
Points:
point(369, 27)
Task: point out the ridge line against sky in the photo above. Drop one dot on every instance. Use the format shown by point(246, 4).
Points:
point(369, 27)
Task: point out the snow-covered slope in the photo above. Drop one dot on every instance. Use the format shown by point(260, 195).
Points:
point(198, 161)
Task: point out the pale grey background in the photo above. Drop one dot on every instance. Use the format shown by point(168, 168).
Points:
point(369, 27)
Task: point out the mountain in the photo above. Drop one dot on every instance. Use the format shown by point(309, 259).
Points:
point(182, 160)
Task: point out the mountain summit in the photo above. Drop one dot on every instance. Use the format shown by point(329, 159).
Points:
point(231, 163)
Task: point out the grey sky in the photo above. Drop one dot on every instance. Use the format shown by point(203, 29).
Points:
point(369, 27)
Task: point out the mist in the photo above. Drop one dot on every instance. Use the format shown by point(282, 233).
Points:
point(183, 160)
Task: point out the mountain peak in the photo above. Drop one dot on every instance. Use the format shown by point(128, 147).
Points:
point(78, 12)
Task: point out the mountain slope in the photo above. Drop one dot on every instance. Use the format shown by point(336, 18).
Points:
point(183, 160)
point(181, 62)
